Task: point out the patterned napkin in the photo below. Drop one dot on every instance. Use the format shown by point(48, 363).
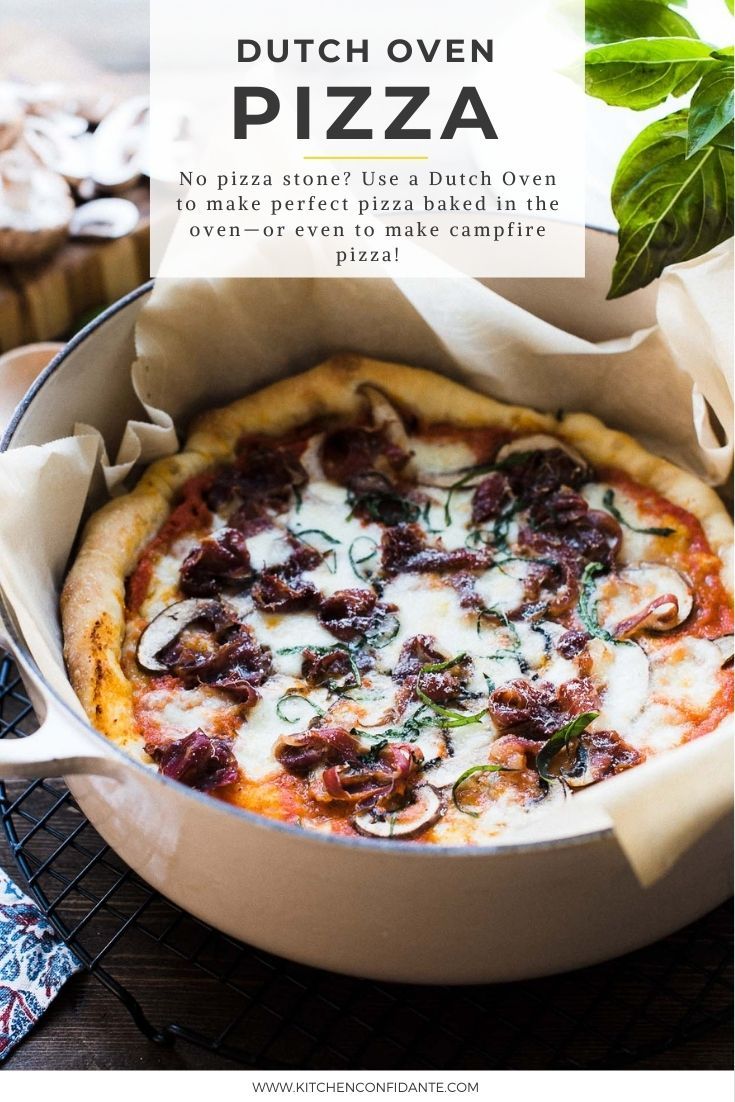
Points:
point(34, 965)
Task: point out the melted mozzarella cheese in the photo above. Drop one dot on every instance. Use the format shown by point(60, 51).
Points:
point(287, 635)
point(258, 734)
point(620, 670)
point(176, 715)
point(635, 546)
point(685, 671)
point(268, 549)
point(428, 606)
point(324, 518)
point(503, 588)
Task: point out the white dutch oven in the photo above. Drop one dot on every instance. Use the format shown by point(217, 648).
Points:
point(392, 911)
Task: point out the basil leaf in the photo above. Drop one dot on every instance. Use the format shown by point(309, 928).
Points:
point(438, 667)
point(407, 732)
point(498, 614)
point(478, 537)
point(472, 771)
point(451, 718)
point(613, 20)
point(462, 484)
point(558, 741)
point(383, 505)
point(358, 558)
point(609, 502)
point(299, 714)
point(643, 72)
point(384, 632)
point(587, 607)
point(426, 518)
point(669, 208)
point(328, 554)
point(310, 532)
point(328, 650)
point(711, 110)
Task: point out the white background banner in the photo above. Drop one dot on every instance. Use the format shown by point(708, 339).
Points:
point(387, 140)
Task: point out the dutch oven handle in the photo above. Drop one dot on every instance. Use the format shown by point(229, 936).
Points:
point(59, 747)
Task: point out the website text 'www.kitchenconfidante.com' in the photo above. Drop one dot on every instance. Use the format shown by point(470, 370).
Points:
point(366, 1086)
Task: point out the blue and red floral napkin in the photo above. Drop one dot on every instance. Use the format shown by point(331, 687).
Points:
point(34, 964)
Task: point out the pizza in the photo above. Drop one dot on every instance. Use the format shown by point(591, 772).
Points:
point(369, 601)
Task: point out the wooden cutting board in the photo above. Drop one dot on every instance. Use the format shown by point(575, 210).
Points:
point(50, 299)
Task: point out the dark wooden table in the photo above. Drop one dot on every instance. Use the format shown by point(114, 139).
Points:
point(667, 1006)
point(87, 1027)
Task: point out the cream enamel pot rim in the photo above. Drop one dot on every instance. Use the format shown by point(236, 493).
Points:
point(393, 911)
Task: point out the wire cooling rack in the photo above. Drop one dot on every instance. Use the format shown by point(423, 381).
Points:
point(259, 1011)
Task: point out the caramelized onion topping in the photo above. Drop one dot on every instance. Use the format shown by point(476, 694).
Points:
point(536, 709)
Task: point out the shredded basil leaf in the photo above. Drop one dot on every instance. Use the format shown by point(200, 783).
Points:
point(502, 524)
point(472, 771)
point(385, 506)
point(311, 532)
point(450, 718)
point(609, 502)
point(408, 732)
point(475, 472)
point(385, 631)
point(426, 517)
point(587, 607)
point(478, 537)
point(371, 756)
point(280, 707)
point(558, 741)
point(438, 667)
point(507, 624)
point(357, 560)
point(332, 686)
point(461, 484)
point(329, 556)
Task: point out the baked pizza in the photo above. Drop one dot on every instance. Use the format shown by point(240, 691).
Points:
point(369, 601)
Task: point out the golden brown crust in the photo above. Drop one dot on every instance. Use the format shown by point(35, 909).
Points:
point(93, 599)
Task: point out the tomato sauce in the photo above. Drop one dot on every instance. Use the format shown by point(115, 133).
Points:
point(191, 515)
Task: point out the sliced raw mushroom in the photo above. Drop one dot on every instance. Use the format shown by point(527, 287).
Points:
point(647, 597)
point(169, 624)
point(88, 102)
point(104, 218)
point(425, 809)
point(35, 208)
point(540, 442)
point(117, 146)
point(57, 149)
point(12, 119)
point(726, 646)
point(74, 126)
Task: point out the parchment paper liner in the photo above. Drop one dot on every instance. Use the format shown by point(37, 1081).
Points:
point(202, 343)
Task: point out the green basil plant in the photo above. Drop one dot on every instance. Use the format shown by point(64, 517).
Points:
point(673, 190)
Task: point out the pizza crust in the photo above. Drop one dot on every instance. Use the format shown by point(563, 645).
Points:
point(93, 598)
